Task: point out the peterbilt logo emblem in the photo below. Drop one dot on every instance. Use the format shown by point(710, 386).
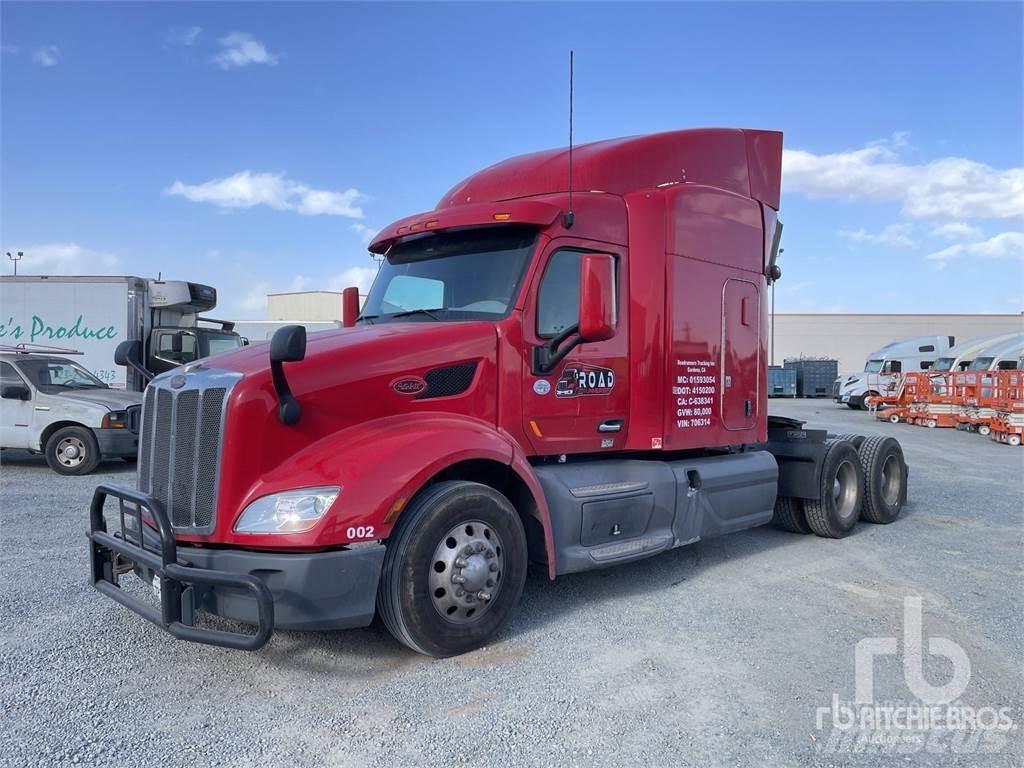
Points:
point(177, 382)
point(410, 385)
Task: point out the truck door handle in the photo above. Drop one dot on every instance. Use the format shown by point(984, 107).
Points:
point(612, 425)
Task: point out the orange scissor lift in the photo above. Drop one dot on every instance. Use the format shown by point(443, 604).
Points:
point(896, 400)
point(1007, 425)
point(936, 404)
point(979, 396)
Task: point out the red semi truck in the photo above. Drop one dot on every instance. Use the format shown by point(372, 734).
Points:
point(569, 377)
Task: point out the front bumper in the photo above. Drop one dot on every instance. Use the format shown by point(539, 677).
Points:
point(117, 442)
point(324, 590)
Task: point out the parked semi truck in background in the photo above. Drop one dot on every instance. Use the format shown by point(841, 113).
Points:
point(962, 356)
point(883, 365)
point(94, 314)
point(572, 377)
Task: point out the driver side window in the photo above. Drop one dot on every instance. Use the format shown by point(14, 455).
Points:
point(558, 300)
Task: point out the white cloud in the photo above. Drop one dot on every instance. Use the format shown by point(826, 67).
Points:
point(949, 187)
point(365, 233)
point(895, 235)
point(63, 259)
point(957, 230)
point(186, 37)
point(240, 49)
point(361, 277)
point(1006, 245)
point(248, 189)
point(46, 56)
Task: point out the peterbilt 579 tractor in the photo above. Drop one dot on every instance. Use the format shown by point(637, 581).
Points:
point(572, 376)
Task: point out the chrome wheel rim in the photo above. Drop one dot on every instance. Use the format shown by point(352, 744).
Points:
point(844, 490)
point(70, 452)
point(891, 480)
point(466, 571)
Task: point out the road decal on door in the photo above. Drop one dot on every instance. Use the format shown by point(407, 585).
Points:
point(580, 379)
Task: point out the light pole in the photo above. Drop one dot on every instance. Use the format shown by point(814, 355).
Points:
point(16, 259)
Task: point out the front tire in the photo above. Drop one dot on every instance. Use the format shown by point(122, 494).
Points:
point(454, 569)
point(72, 451)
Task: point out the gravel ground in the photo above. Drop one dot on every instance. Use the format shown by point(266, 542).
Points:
point(718, 653)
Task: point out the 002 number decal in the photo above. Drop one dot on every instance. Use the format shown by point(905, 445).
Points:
point(360, 532)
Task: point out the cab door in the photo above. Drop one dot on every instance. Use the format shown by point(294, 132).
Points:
point(581, 406)
point(741, 313)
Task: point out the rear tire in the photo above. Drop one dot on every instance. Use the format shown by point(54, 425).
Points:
point(421, 599)
point(840, 495)
point(72, 451)
point(789, 515)
point(885, 479)
point(984, 429)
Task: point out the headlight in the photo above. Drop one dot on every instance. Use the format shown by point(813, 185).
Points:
point(287, 512)
point(115, 420)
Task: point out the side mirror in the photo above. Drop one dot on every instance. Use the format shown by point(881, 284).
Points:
point(287, 345)
point(128, 352)
point(349, 306)
point(176, 344)
point(15, 392)
point(597, 297)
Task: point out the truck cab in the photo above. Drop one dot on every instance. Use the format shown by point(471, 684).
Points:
point(572, 375)
point(179, 335)
point(52, 405)
point(881, 367)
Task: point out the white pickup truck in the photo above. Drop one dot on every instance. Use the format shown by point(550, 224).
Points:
point(54, 406)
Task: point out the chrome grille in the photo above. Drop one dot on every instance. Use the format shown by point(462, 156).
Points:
point(180, 446)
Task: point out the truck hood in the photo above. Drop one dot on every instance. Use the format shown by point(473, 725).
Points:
point(112, 399)
point(354, 375)
point(350, 378)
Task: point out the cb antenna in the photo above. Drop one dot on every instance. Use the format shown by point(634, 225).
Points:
point(569, 217)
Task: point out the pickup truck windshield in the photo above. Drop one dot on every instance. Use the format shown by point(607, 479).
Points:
point(468, 275)
point(222, 342)
point(52, 376)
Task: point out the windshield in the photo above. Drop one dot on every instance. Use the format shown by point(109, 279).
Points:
point(981, 364)
point(873, 366)
point(468, 275)
point(943, 364)
point(52, 376)
point(222, 342)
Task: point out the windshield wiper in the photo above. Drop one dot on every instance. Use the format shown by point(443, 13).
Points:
point(428, 312)
point(367, 318)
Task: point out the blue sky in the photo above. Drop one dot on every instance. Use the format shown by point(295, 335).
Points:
point(253, 145)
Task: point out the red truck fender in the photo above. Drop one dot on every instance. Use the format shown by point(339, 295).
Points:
point(381, 465)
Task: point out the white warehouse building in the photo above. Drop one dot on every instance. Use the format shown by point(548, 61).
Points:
point(850, 338)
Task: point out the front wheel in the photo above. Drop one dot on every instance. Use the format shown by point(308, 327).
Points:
point(72, 451)
point(454, 569)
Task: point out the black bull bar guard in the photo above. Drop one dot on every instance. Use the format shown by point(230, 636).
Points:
point(176, 581)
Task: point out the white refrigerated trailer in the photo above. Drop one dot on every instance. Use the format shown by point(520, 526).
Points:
point(95, 314)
